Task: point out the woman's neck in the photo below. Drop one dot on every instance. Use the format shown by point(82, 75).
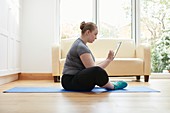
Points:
point(84, 39)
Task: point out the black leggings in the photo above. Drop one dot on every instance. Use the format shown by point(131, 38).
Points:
point(85, 80)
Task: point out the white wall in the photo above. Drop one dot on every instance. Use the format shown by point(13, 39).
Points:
point(10, 41)
point(38, 35)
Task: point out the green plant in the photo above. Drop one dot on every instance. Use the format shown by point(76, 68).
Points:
point(168, 67)
point(161, 53)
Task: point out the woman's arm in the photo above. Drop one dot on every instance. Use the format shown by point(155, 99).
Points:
point(87, 60)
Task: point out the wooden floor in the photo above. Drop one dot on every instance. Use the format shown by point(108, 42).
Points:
point(86, 102)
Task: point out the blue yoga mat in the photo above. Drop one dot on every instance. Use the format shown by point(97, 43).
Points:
point(133, 89)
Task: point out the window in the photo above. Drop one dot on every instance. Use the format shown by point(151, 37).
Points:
point(72, 13)
point(115, 18)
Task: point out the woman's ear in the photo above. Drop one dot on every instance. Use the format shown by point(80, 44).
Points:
point(87, 32)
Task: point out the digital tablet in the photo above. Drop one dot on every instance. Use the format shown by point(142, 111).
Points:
point(117, 48)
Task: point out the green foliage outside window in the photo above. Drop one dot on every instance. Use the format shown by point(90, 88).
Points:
point(161, 54)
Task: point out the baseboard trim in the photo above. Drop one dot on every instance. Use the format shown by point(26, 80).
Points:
point(8, 78)
point(35, 76)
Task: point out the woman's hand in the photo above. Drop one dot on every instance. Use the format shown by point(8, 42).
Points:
point(110, 55)
point(107, 61)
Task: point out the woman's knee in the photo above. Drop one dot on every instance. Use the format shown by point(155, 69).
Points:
point(101, 76)
point(99, 70)
point(100, 73)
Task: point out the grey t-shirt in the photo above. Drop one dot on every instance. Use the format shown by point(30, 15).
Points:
point(73, 62)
